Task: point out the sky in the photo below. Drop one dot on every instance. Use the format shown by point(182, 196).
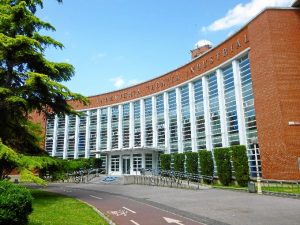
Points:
point(114, 44)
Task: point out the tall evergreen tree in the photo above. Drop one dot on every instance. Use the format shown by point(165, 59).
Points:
point(28, 81)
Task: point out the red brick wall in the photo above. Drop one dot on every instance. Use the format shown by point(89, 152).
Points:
point(275, 66)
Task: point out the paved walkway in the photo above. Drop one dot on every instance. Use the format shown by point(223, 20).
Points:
point(210, 206)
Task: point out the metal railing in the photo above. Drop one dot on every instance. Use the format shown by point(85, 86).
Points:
point(281, 187)
point(172, 178)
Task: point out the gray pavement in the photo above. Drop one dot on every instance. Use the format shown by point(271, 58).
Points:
point(209, 206)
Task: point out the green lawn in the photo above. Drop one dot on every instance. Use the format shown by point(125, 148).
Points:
point(54, 209)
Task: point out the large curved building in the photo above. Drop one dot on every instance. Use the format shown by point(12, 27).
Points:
point(244, 91)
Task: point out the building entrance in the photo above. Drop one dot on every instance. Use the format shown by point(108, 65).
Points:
point(126, 165)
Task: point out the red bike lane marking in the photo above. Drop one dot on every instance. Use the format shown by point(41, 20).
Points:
point(126, 211)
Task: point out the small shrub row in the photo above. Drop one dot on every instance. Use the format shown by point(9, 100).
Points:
point(15, 204)
point(227, 160)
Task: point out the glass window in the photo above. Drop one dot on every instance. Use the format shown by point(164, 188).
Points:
point(148, 122)
point(137, 124)
point(114, 127)
point(249, 112)
point(230, 106)
point(137, 162)
point(173, 121)
point(148, 161)
point(185, 119)
point(103, 129)
point(49, 134)
point(114, 163)
point(160, 121)
point(215, 121)
point(125, 125)
point(199, 115)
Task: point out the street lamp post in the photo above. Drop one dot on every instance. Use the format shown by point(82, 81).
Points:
point(258, 180)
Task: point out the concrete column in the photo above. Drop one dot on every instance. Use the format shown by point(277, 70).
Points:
point(192, 117)
point(66, 137)
point(76, 137)
point(179, 120)
point(239, 102)
point(206, 113)
point(167, 123)
point(222, 108)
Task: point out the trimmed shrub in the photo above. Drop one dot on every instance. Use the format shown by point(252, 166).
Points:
point(165, 161)
point(191, 162)
point(15, 204)
point(97, 163)
point(206, 164)
point(222, 158)
point(178, 162)
point(240, 164)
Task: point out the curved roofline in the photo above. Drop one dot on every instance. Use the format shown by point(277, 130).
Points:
point(201, 56)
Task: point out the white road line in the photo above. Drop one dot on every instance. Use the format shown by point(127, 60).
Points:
point(95, 197)
point(132, 221)
point(128, 209)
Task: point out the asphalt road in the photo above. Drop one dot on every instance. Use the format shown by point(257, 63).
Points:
point(122, 210)
point(208, 206)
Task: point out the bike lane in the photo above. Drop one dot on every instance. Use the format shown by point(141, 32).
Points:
point(124, 211)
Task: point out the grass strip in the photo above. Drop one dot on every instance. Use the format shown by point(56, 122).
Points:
point(55, 209)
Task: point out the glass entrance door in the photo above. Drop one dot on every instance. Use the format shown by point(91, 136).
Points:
point(126, 164)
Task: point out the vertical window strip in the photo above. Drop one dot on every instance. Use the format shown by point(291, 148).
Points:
point(103, 129)
point(249, 112)
point(137, 123)
point(160, 121)
point(114, 127)
point(125, 126)
point(199, 114)
point(230, 106)
point(214, 111)
point(148, 122)
point(185, 118)
point(173, 121)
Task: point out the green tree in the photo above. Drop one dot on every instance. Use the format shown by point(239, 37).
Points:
point(191, 161)
point(206, 164)
point(222, 157)
point(165, 161)
point(178, 162)
point(28, 81)
point(240, 164)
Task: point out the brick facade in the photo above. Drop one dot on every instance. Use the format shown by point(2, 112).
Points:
point(275, 65)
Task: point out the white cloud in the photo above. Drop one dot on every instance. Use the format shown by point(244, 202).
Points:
point(242, 13)
point(118, 82)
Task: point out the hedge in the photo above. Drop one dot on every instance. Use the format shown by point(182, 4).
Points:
point(15, 204)
point(191, 162)
point(165, 161)
point(206, 164)
point(240, 164)
point(222, 158)
point(178, 162)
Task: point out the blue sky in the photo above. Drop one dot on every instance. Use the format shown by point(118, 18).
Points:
point(117, 43)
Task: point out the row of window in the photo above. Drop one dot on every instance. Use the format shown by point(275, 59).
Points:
point(208, 96)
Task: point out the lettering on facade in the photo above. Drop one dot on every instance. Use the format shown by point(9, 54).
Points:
point(174, 78)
